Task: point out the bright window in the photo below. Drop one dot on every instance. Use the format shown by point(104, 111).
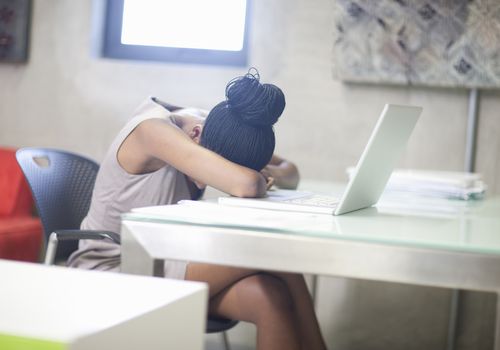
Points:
point(192, 31)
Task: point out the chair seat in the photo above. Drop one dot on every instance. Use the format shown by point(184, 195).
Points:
point(215, 325)
point(20, 238)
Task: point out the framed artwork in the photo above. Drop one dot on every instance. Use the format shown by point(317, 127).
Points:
point(452, 43)
point(14, 30)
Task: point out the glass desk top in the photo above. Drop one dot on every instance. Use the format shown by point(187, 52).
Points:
point(467, 226)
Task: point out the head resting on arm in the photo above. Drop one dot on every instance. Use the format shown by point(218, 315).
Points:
point(241, 128)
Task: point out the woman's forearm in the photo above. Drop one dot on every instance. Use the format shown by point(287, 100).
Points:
point(159, 140)
point(254, 186)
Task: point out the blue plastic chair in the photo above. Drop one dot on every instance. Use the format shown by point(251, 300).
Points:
point(62, 183)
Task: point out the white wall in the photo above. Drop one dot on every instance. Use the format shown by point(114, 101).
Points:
point(63, 97)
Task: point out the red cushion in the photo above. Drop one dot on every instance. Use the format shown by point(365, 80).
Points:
point(20, 238)
point(15, 195)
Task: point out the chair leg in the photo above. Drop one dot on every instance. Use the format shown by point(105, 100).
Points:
point(50, 253)
point(225, 341)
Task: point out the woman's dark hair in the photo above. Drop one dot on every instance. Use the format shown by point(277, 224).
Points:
point(241, 128)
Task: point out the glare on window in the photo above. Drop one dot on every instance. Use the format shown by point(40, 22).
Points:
point(194, 24)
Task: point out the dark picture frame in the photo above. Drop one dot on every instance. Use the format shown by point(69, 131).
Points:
point(15, 16)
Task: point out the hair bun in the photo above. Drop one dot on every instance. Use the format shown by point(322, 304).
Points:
point(254, 103)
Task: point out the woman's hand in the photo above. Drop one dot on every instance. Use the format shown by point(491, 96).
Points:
point(268, 177)
point(284, 174)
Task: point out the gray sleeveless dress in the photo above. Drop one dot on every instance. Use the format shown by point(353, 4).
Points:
point(117, 192)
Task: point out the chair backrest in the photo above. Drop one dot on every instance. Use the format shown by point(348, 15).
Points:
point(61, 183)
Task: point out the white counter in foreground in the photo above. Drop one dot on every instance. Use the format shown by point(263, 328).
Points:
point(48, 307)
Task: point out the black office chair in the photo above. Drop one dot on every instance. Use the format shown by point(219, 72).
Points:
point(62, 184)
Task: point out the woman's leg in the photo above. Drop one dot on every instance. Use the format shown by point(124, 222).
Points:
point(220, 278)
point(264, 301)
point(310, 334)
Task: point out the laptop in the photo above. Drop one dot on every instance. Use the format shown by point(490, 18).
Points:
point(385, 145)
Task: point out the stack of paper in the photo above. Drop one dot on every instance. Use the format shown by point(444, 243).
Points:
point(442, 184)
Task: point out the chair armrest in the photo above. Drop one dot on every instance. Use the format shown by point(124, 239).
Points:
point(66, 235)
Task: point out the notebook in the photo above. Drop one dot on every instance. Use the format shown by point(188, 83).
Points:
point(385, 145)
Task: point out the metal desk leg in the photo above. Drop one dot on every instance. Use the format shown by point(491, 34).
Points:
point(135, 260)
point(472, 127)
point(497, 324)
point(453, 319)
point(314, 290)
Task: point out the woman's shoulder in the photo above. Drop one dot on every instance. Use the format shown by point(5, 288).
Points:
point(150, 107)
point(147, 110)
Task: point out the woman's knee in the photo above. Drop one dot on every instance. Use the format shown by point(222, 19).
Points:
point(272, 293)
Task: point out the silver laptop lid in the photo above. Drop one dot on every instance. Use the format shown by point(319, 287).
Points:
point(385, 146)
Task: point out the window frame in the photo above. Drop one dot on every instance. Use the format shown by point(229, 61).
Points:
point(113, 48)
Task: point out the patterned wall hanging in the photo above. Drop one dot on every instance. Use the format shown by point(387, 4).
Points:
point(439, 42)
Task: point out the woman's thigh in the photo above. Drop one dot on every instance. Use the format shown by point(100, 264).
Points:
point(218, 277)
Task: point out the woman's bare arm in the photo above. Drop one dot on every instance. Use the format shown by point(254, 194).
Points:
point(155, 138)
point(284, 172)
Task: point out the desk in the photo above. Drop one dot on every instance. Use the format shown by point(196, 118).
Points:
point(450, 244)
point(55, 308)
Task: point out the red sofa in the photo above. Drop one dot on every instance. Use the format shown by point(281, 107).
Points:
point(21, 234)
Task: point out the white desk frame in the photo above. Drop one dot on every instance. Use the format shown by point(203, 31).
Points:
point(155, 242)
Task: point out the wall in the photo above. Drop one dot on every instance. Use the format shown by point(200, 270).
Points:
point(63, 97)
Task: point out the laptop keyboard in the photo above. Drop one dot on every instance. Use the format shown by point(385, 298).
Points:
point(315, 200)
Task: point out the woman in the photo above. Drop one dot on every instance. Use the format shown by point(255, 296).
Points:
point(157, 159)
